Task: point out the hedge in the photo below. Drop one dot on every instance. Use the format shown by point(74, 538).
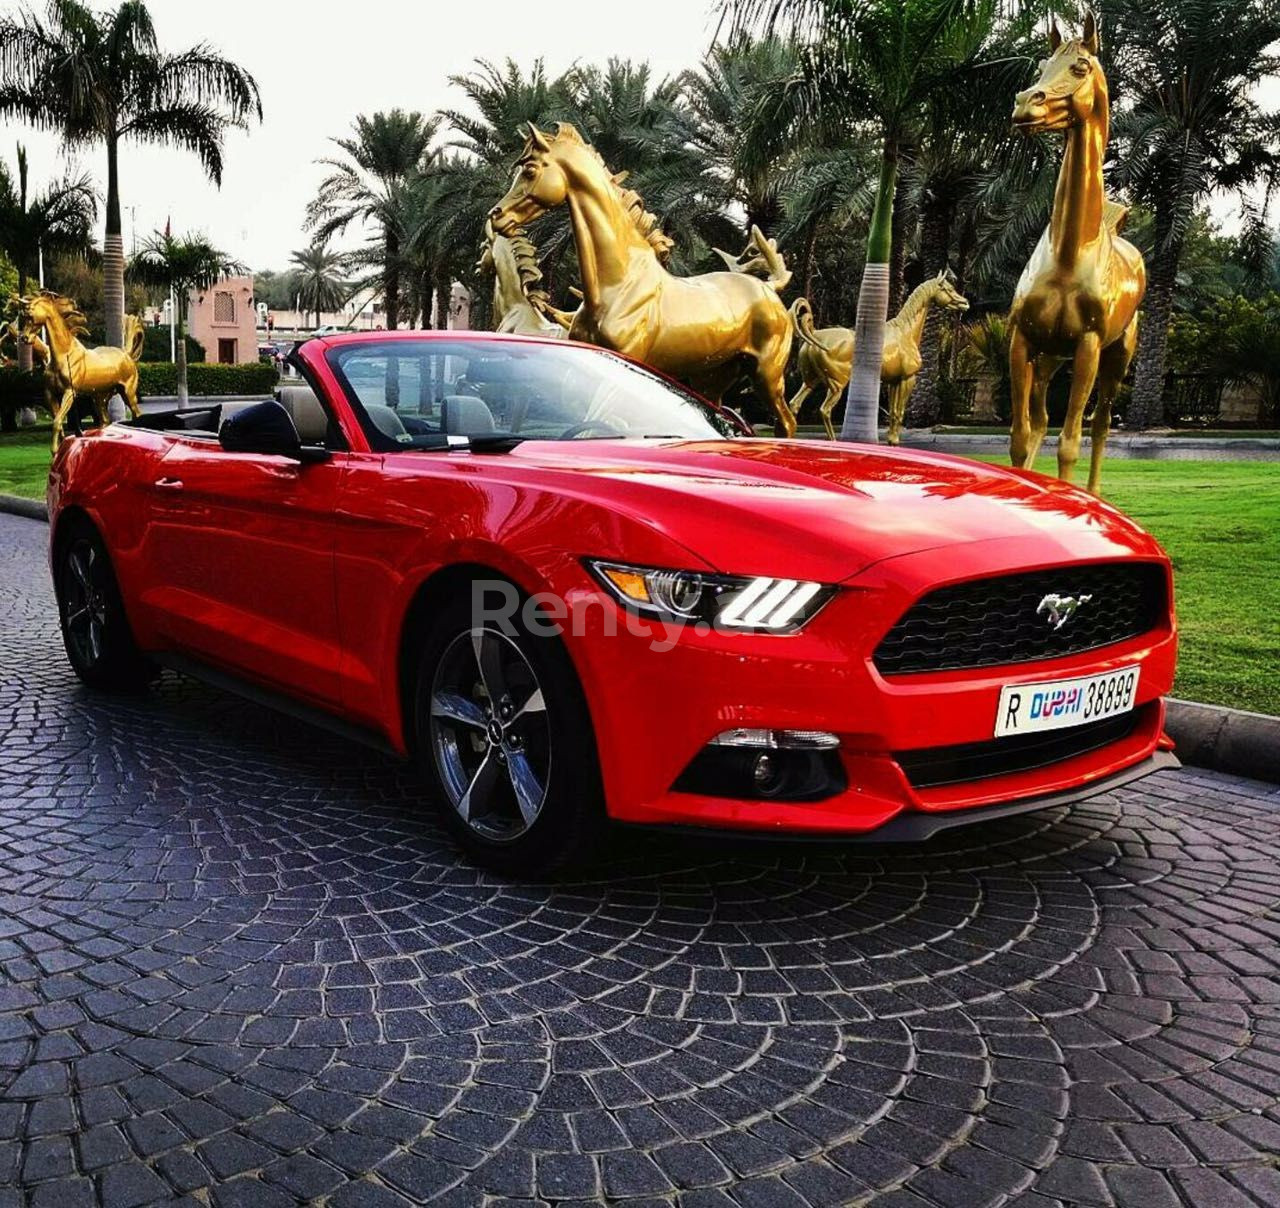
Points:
point(162, 378)
point(155, 344)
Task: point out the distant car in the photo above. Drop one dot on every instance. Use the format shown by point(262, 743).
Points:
point(329, 329)
point(753, 634)
point(270, 352)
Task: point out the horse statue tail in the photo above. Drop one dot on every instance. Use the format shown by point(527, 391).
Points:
point(759, 258)
point(802, 320)
point(542, 304)
point(133, 337)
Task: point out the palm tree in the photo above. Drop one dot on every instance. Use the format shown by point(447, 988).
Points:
point(966, 151)
point(1192, 126)
point(57, 220)
point(182, 264)
point(373, 185)
point(369, 185)
point(877, 60)
point(101, 77)
point(317, 278)
point(743, 124)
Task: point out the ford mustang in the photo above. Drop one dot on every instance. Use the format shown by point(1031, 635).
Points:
point(571, 591)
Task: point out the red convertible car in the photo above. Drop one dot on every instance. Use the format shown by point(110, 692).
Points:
point(572, 591)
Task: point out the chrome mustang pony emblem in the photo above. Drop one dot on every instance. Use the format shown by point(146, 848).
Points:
point(1060, 609)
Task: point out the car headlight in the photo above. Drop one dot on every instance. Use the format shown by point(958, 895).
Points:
point(741, 602)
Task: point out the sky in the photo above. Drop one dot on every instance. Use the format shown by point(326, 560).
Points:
point(320, 62)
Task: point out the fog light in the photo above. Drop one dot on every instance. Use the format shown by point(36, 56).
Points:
point(773, 773)
point(778, 740)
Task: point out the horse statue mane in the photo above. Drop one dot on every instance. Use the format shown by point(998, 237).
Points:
point(520, 304)
point(646, 223)
point(67, 308)
point(525, 255)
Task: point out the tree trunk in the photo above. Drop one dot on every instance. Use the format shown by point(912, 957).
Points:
point(862, 401)
point(444, 292)
point(113, 254)
point(25, 359)
point(807, 260)
point(391, 279)
point(925, 407)
point(900, 225)
point(1146, 406)
point(180, 351)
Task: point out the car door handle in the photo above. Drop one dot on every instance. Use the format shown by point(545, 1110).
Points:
point(169, 484)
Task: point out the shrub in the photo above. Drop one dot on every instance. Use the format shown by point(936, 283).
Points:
point(162, 379)
point(155, 344)
point(18, 388)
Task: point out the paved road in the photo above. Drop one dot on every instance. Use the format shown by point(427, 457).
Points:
point(238, 958)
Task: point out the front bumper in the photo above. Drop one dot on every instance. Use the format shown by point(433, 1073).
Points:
point(654, 710)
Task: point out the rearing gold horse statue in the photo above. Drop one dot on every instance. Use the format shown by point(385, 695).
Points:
point(706, 330)
point(71, 368)
point(520, 305)
point(826, 353)
point(1079, 295)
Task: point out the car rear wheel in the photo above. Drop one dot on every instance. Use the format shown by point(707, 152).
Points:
point(505, 737)
point(95, 629)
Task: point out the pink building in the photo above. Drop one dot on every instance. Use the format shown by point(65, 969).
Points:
point(223, 320)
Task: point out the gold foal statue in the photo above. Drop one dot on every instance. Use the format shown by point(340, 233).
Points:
point(705, 330)
point(826, 353)
point(1079, 295)
point(71, 368)
point(520, 305)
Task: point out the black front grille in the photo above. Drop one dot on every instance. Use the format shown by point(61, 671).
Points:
point(987, 622)
point(935, 766)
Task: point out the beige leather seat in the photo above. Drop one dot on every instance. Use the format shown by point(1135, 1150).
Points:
point(306, 412)
point(466, 415)
point(230, 409)
point(385, 420)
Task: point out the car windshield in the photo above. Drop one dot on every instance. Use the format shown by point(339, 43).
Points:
point(417, 393)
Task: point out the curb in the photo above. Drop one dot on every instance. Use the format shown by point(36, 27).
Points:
point(1207, 736)
point(32, 509)
point(1225, 740)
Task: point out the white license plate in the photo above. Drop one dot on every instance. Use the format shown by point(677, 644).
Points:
point(1056, 704)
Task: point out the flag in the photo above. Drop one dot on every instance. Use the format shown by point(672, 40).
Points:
point(167, 221)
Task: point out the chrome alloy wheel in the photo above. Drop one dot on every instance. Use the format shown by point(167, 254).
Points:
point(489, 734)
point(85, 602)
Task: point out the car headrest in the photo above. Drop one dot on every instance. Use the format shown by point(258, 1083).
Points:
point(306, 412)
point(465, 415)
point(385, 420)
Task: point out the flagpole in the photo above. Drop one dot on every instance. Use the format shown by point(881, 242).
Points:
point(173, 330)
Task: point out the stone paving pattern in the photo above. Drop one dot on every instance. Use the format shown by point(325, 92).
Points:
point(240, 963)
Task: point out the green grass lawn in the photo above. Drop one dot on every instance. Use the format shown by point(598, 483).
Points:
point(1219, 520)
point(24, 461)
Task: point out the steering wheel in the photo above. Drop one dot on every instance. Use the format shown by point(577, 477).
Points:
point(587, 426)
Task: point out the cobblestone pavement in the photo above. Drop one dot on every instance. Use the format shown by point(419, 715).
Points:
point(239, 962)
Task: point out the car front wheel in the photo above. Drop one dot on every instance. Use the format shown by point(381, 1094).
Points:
point(504, 734)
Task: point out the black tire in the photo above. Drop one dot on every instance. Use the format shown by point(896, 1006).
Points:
point(492, 753)
point(95, 630)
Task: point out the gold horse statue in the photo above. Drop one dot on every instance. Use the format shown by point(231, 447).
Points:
point(1079, 295)
point(70, 368)
point(520, 305)
point(706, 330)
point(826, 353)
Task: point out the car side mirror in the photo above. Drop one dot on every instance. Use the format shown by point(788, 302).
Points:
point(267, 428)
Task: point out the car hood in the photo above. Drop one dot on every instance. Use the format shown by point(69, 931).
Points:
point(812, 509)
